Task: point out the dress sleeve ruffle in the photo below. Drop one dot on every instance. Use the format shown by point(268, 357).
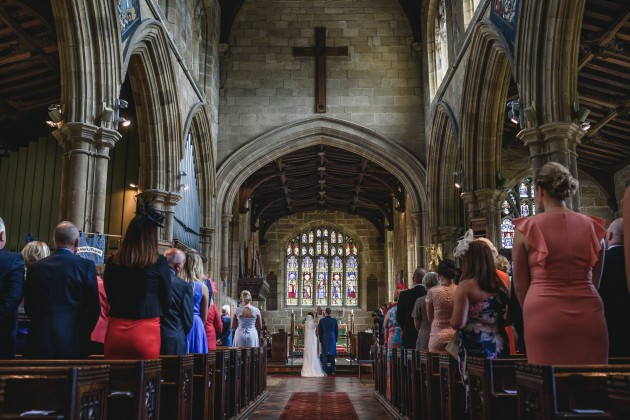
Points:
point(598, 233)
point(530, 229)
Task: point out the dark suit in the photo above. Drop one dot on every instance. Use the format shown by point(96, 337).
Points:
point(328, 335)
point(61, 299)
point(11, 281)
point(175, 325)
point(406, 303)
point(614, 292)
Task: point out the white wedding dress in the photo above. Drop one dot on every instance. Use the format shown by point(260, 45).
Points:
point(312, 367)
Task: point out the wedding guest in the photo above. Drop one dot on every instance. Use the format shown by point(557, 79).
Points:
point(400, 281)
point(406, 302)
point(61, 300)
point(11, 289)
point(247, 322)
point(439, 305)
point(558, 258)
point(98, 335)
point(32, 252)
point(614, 292)
point(420, 318)
point(225, 338)
point(393, 340)
point(177, 322)
point(196, 339)
point(138, 288)
point(214, 326)
point(626, 233)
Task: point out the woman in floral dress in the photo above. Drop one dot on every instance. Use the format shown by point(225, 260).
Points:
point(393, 338)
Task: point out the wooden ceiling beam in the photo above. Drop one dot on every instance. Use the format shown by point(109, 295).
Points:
point(605, 38)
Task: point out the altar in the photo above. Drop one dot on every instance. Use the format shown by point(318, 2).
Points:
point(343, 340)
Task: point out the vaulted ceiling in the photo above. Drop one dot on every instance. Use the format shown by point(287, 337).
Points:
point(321, 177)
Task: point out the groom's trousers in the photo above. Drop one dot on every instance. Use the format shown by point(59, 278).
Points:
point(329, 358)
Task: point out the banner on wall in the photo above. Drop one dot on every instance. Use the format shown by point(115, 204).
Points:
point(504, 14)
point(92, 248)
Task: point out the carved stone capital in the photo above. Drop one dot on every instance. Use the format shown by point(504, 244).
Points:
point(163, 200)
point(226, 218)
point(84, 137)
point(206, 232)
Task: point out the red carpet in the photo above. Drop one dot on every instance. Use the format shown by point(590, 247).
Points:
point(319, 405)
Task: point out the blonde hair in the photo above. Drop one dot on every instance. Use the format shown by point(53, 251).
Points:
point(34, 251)
point(246, 296)
point(194, 267)
point(556, 180)
point(225, 309)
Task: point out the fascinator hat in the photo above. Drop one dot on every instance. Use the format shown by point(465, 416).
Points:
point(462, 245)
point(146, 209)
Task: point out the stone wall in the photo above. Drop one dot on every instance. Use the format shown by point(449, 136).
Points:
point(377, 86)
point(622, 180)
point(371, 252)
point(593, 199)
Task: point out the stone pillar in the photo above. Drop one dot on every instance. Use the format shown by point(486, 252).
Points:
point(164, 201)
point(554, 142)
point(225, 248)
point(416, 218)
point(84, 173)
point(205, 245)
point(485, 203)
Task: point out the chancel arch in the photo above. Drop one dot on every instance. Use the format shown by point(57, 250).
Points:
point(485, 92)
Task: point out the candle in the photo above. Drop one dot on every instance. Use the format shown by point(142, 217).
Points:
point(291, 310)
point(352, 311)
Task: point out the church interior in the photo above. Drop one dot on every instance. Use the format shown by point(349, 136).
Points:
point(310, 150)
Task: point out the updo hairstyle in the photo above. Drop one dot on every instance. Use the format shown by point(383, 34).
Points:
point(246, 297)
point(556, 180)
point(448, 269)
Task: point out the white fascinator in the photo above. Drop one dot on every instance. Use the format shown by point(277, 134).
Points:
point(463, 244)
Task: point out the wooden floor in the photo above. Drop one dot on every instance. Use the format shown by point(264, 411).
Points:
point(361, 394)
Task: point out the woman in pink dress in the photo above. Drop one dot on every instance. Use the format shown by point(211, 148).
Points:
point(439, 303)
point(558, 258)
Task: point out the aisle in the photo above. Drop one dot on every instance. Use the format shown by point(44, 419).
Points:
point(280, 389)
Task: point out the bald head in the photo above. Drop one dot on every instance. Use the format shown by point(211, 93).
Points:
point(176, 259)
point(615, 232)
point(66, 235)
point(418, 275)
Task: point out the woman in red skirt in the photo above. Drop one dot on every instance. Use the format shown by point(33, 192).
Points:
point(138, 286)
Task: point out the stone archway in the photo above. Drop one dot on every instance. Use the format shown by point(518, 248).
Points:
point(150, 68)
point(444, 169)
point(485, 90)
point(328, 131)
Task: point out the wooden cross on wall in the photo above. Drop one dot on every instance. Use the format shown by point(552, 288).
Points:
point(320, 52)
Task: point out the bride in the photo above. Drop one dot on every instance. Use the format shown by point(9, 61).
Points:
point(311, 367)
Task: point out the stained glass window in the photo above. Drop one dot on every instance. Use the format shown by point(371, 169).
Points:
point(518, 203)
point(292, 276)
point(322, 269)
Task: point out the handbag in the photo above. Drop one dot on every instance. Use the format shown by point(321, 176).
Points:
point(453, 345)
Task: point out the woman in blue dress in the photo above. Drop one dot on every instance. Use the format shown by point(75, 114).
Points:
point(196, 340)
point(247, 322)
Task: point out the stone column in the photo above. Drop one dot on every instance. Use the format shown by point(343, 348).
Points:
point(225, 249)
point(84, 173)
point(205, 245)
point(164, 201)
point(554, 142)
point(416, 218)
point(485, 203)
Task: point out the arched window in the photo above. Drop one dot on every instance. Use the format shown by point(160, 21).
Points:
point(322, 269)
point(518, 203)
point(469, 7)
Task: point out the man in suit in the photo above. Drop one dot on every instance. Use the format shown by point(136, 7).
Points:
point(61, 299)
point(175, 325)
point(328, 334)
point(11, 281)
point(406, 302)
point(614, 292)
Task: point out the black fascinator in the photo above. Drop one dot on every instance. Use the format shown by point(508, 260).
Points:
point(153, 215)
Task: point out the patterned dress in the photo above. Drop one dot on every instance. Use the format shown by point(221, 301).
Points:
point(394, 341)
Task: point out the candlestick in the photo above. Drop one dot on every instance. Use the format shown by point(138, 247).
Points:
point(352, 311)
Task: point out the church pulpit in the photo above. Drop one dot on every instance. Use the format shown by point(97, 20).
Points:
point(280, 347)
point(452, 393)
point(430, 384)
point(554, 392)
point(222, 382)
point(619, 396)
point(492, 387)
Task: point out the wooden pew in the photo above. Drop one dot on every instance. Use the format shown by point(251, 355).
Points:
point(134, 385)
point(203, 386)
point(246, 376)
point(177, 387)
point(234, 402)
point(452, 392)
point(553, 392)
point(430, 384)
point(393, 377)
point(619, 396)
point(415, 396)
point(403, 386)
point(255, 378)
point(70, 393)
point(492, 384)
point(222, 383)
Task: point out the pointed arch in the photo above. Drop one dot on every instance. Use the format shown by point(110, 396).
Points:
point(444, 162)
point(485, 87)
point(148, 62)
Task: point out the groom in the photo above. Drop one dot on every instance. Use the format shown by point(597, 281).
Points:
point(328, 333)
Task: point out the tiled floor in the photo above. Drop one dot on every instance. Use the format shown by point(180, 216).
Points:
point(281, 387)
